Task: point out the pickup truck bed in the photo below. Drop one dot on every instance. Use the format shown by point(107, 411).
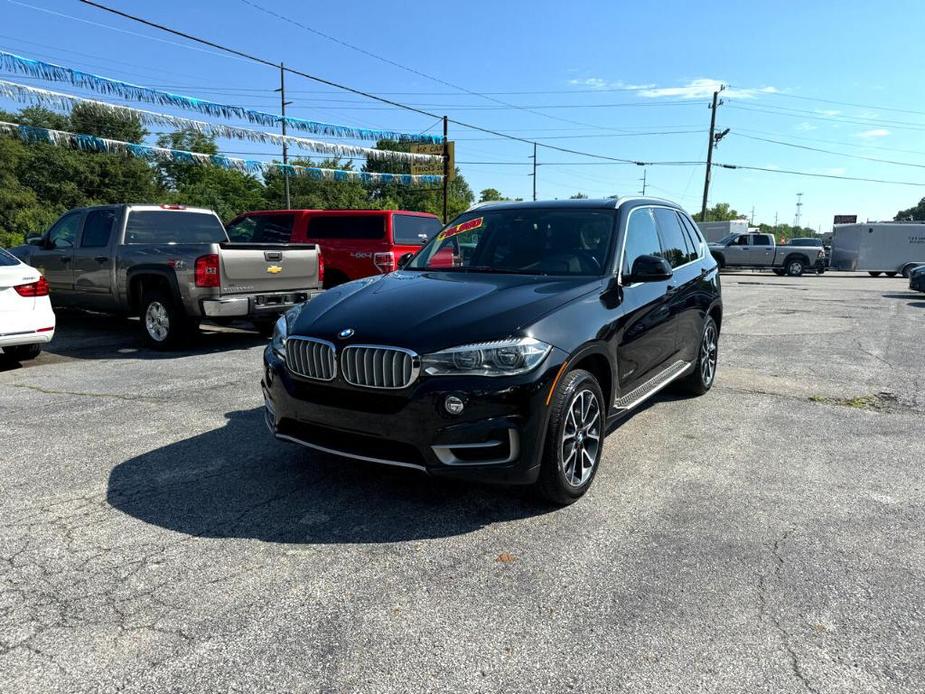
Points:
point(170, 265)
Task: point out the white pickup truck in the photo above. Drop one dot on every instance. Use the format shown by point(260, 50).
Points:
point(173, 266)
point(754, 251)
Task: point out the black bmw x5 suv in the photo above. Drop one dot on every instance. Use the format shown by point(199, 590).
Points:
point(506, 346)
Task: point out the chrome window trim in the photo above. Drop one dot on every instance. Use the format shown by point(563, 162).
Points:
point(319, 341)
point(415, 365)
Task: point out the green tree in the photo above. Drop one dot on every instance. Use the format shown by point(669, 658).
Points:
point(308, 192)
point(491, 195)
point(720, 212)
point(578, 196)
point(916, 213)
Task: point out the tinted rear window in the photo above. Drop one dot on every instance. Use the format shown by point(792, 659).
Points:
point(347, 227)
point(7, 258)
point(262, 228)
point(411, 230)
point(168, 226)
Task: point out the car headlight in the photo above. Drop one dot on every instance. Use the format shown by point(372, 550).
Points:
point(501, 358)
point(281, 330)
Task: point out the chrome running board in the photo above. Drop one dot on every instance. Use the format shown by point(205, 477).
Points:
point(652, 386)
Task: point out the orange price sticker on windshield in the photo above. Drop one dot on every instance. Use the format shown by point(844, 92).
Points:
point(460, 228)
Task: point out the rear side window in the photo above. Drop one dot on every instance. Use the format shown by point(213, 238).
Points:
point(344, 226)
point(165, 226)
point(674, 241)
point(7, 259)
point(694, 234)
point(410, 229)
point(641, 238)
point(97, 228)
point(262, 228)
point(762, 240)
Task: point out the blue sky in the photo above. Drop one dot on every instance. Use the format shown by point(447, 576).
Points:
point(599, 77)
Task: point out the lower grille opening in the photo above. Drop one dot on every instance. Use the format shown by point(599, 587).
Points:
point(351, 443)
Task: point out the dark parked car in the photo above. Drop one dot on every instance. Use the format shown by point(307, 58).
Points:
point(506, 346)
point(917, 279)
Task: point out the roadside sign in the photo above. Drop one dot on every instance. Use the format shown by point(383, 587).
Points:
point(846, 219)
point(433, 168)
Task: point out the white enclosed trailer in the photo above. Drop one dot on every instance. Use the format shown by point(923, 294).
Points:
point(875, 247)
point(714, 231)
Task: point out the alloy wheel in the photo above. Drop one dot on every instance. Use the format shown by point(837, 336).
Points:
point(157, 322)
point(708, 352)
point(580, 445)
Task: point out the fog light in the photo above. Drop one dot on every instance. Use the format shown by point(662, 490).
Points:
point(453, 404)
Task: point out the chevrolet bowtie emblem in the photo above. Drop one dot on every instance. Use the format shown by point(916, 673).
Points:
point(274, 269)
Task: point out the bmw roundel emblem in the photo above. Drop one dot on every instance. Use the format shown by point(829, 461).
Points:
point(345, 333)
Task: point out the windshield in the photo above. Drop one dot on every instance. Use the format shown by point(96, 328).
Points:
point(522, 241)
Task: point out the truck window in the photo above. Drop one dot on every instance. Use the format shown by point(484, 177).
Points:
point(641, 238)
point(410, 229)
point(97, 228)
point(743, 240)
point(345, 226)
point(168, 226)
point(674, 242)
point(64, 232)
point(262, 228)
point(762, 240)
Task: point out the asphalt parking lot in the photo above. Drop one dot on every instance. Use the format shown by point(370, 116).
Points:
point(767, 537)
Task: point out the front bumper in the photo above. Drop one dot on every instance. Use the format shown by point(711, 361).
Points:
point(255, 306)
point(497, 438)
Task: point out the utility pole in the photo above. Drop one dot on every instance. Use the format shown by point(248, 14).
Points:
point(799, 212)
point(751, 219)
point(643, 179)
point(713, 141)
point(534, 171)
point(446, 168)
point(283, 103)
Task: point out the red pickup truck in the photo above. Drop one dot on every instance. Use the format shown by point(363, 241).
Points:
point(353, 243)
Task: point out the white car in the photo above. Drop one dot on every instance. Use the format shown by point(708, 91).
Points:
point(26, 319)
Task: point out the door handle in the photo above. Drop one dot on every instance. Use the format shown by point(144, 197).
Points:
point(101, 258)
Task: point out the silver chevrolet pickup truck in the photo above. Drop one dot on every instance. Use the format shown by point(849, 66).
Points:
point(171, 265)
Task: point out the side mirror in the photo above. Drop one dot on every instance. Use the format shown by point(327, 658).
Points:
point(404, 259)
point(34, 240)
point(650, 268)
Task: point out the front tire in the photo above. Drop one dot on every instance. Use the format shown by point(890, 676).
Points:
point(701, 379)
point(164, 326)
point(574, 439)
point(874, 274)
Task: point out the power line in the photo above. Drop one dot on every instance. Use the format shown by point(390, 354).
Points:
point(268, 63)
point(878, 106)
point(818, 175)
point(828, 151)
point(800, 113)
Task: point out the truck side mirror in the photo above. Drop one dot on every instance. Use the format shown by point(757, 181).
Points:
point(404, 259)
point(650, 268)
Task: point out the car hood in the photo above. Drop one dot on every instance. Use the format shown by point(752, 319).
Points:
point(428, 311)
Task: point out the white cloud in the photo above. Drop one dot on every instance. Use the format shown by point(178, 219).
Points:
point(704, 87)
point(602, 84)
point(875, 132)
point(804, 126)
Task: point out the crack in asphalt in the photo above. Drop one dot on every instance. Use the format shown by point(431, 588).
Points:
point(115, 396)
point(765, 612)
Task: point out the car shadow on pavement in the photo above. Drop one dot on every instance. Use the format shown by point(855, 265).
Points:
point(85, 335)
point(916, 298)
point(238, 481)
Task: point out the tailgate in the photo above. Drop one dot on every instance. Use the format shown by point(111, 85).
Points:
point(264, 268)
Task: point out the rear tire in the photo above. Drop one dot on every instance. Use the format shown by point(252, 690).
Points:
point(701, 379)
point(890, 274)
point(795, 267)
point(22, 352)
point(574, 439)
point(874, 274)
point(164, 326)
